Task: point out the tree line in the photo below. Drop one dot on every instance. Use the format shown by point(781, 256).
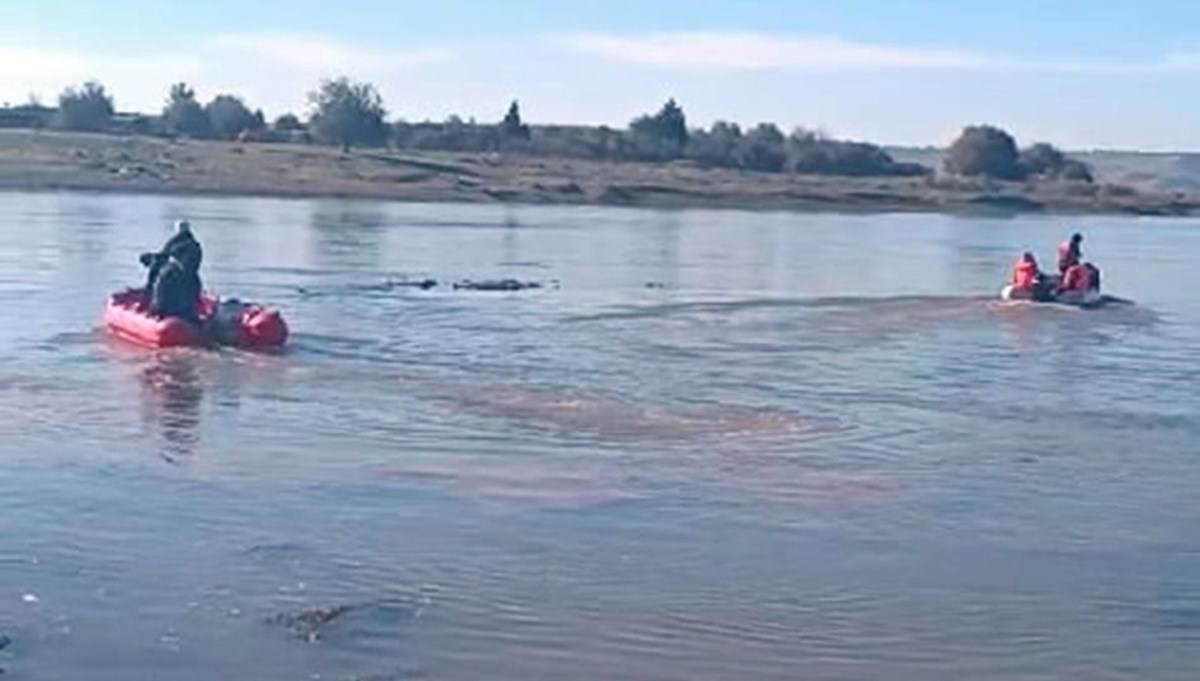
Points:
point(988, 151)
point(353, 114)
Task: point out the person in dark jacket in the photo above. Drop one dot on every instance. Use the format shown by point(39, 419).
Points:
point(176, 292)
point(182, 246)
point(173, 284)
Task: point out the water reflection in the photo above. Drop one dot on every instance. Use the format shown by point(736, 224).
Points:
point(1020, 323)
point(174, 394)
point(510, 245)
point(664, 239)
point(347, 235)
point(82, 229)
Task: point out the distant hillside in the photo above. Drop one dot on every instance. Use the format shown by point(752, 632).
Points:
point(1162, 172)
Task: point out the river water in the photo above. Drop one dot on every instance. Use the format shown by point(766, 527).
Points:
point(715, 445)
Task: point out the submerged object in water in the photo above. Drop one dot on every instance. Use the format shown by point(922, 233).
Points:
point(497, 285)
point(229, 322)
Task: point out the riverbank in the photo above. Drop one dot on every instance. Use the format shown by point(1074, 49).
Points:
point(44, 161)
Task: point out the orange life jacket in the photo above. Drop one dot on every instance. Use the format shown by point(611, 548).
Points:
point(1024, 275)
point(1077, 278)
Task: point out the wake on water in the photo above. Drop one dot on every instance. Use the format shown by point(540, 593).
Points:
point(863, 303)
point(930, 306)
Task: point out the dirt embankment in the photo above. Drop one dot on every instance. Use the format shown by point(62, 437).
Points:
point(52, 161)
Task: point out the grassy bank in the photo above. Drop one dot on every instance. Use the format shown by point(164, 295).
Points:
point(57, 161)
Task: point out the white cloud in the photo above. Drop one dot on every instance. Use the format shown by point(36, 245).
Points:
point(318, 53)
point(745, 51)
point(36, 63)
point(25, 71)
point(1181, 61)
point(751, 51)
point(273, 70)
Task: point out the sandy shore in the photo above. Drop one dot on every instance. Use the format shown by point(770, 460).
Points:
point(47, 161)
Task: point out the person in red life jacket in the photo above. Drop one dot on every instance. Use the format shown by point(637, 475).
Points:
point(1025, 274)
point(1078, 279)
point(1069, 253)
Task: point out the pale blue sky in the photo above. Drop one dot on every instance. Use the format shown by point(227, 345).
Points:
point(1082, 74)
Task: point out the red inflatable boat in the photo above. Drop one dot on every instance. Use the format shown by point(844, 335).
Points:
point(228, 322)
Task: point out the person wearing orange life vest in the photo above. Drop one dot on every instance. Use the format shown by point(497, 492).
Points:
point(1025, 274)
point(1078, 279)
point(1069, 253)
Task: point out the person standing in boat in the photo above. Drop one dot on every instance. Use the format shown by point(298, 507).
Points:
point(173, 286)
point(1069, 253)
point(182, 245)
point(176, 291)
